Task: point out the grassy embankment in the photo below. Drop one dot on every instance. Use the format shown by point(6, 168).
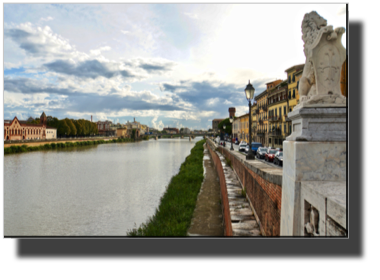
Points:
point(173, 217)
point(25, 148)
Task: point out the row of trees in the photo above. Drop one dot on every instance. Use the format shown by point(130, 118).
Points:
point(71, 127)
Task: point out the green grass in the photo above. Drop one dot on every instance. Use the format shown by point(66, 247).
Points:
point(173, 216)
point(24, 148)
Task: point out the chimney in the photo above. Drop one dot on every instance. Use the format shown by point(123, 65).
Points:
point(91, 118)
point(134, 120)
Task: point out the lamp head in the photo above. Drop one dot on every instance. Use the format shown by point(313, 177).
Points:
point(249, 91)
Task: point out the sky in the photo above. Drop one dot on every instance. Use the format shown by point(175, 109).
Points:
point(176, 65)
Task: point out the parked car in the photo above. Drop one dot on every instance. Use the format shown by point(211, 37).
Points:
point(246, 149)
point(255, 146)
point(261, 152)
point(278, 158)
point(242, 146)
point(270, 155)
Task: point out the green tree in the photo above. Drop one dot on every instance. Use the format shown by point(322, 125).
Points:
point(228, 125)
point(63, 128)
point(73, 130)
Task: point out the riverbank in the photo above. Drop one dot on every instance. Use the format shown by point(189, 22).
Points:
point(13, 149)
point(173, 217)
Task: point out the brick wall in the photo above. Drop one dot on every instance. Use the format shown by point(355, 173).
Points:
point(264, 195)
point(223, 191)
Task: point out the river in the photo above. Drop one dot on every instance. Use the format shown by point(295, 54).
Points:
point(102, 190)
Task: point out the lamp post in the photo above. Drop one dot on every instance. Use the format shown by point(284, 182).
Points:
point(249, 92)
point(224, 134)
point(231, 120)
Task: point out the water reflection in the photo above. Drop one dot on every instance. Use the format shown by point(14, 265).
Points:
point(90, 190)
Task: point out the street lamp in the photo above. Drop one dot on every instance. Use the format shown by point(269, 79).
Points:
point(249, 92)
point(224, 134)
point(231, 120)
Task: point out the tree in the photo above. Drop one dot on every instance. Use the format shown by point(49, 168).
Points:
point(73, 130)
point(63, 128)
point(228, 125)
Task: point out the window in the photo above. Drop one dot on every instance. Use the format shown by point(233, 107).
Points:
point(290, 95)
point(294, 93)
point(289, 80)
point(294, 78)
point(279, 112)
point(284, 110)
point(270, 140)
point(275, 141)
point(290, 129)
point(284, 128)
point(298, 84)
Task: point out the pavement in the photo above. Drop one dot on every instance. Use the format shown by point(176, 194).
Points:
point(208, 218)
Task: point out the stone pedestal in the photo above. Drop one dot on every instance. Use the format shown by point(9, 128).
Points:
point(314, 172)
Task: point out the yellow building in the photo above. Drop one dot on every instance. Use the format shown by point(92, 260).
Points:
point(278, 108)
point(293, 95)
point(254, 121)
point(240, 128)
point(244, 121)
point(261, 115)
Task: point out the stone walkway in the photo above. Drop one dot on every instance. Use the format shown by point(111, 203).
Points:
point(207, 218)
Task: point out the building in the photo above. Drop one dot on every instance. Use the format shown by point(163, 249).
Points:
point(122, 132)
point(293, 82)
point(232, 111)
point(186, 130)
point(215, 123)
point(240, 128)
point(278, 108)
point(171, 130)
point(22, 130)
point(134, 126)
point(51, 132)
point(254, 120)
point(104, 128)
point(261, 116)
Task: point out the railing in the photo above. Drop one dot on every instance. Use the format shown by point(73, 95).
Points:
point(265, 108)
point(274, 118)
point(257, 110)
point(260, 121)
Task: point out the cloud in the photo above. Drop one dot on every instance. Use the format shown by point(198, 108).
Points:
point(152, 65)
point(99, 51)
point(46, 19)
point(125, 31)
point(160, 125)
point(89, 69)
point(38, 42)
point(190, 15)
point(227, 102)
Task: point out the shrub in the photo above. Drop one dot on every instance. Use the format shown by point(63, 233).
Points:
point(53, 145)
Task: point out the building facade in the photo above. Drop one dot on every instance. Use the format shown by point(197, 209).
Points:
point(51, 132)
point(294, 74)
point(261, 117)
point(278, 108)
point(254, 121)
point(104, 128)
point(21, 130)
point(215, 123)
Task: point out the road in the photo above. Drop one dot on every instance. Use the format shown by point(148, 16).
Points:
point(236, 148)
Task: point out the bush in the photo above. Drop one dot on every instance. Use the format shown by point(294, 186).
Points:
point(53, 145)
point(47, 146)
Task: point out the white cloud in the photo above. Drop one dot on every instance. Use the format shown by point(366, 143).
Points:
point(227, 102)
point(190, 15)
point(46, 19)
point(97, 52)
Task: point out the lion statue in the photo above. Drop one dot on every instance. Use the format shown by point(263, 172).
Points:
point(313, 27)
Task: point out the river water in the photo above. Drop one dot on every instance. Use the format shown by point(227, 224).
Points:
point(102, 190)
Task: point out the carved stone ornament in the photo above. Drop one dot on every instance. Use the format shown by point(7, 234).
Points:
point(325, 54)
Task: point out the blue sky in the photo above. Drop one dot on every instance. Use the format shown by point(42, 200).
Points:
point(177, 65)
